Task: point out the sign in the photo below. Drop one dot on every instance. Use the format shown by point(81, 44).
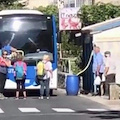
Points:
point(68, 19)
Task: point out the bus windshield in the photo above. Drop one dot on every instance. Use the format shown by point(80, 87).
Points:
point(27, 33)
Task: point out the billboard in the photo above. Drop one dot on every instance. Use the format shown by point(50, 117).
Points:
point(68, 19)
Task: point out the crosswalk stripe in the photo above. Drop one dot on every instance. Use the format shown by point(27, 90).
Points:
point(63, 110)
point(29, 110)
point(1, 111)
point(97, 110)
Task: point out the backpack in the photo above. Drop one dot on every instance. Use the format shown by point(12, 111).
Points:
point(19, 71)
point(41, 70)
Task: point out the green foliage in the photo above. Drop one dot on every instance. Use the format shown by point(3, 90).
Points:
point(7, 2)
point(70, 46)
point(50, 10)
point(91, 14)
point(73, 51)
point(10, 4)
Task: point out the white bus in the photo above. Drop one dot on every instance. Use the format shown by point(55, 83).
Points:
point(33, 33)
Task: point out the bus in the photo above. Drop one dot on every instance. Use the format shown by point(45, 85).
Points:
point(34, 34)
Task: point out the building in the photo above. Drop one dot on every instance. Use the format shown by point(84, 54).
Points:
point(106, 35)
point(115, 2)
point(66, 3)
point(36, 3)
point(75, 3)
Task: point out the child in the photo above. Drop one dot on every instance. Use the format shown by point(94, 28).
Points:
point(20, 75)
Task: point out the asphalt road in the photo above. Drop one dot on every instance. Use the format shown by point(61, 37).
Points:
point(58, 107)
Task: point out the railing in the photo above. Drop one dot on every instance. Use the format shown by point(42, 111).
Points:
point(65, 65)
point(64, 69)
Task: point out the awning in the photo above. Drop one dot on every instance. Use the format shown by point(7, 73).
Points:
point(99, 27)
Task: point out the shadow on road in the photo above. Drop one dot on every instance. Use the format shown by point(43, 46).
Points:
point(103, 115)
point(30, 93)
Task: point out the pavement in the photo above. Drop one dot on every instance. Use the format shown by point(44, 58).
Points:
point(111, 104)
point(58, 107)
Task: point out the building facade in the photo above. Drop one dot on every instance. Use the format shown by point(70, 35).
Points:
point(115, 2)
point(75, 3)
point(66, 3)
point(36, 3)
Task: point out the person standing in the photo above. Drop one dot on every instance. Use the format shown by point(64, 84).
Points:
point(4, 64)
point(98, 67)
point(44, 82)
point(8, 48)
point(20, 76)
point(110, 70)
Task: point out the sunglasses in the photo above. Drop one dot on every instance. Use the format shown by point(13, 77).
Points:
point(5, 54)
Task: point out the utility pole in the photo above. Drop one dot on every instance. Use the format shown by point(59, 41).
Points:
point(60, 6)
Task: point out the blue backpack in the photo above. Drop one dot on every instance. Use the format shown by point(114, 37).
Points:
point(19, 71)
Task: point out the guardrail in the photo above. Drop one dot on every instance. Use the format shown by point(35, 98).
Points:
point(64, 69)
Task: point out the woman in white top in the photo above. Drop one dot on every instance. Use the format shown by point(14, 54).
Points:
point(48, 75)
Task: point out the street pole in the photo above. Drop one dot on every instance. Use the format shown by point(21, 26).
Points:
point(60, 6)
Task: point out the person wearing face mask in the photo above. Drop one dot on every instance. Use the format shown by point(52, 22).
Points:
point(110, 70)
point(4, 64)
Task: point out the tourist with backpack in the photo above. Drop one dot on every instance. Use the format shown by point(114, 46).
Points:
point(20, 68)
point(44, 73)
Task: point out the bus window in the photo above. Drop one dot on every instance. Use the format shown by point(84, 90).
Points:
point(30, 63)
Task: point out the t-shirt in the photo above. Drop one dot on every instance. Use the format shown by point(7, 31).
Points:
point(48, 68)
point(111, 64)
point(98, 60)
point(2, 63)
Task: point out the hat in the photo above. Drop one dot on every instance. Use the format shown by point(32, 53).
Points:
point(107, 52)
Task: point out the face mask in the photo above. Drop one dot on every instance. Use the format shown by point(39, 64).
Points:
point(107, 55)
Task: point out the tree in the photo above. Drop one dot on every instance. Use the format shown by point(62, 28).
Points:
point(50, 10)
point(10, 4)
point(91, 14)
point(7, 2)
point(69, 47)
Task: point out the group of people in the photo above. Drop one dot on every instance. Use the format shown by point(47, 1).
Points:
point(43, 73)
point(104, 67)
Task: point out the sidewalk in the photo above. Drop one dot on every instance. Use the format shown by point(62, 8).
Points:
point(111, 104)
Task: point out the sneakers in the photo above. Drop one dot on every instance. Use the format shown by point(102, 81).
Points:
point(41, 97)
point(48, 98)
point(16, 98)
point(25, 98)
point(2, 97)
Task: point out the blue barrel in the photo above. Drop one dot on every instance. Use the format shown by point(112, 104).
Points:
point(72, 85)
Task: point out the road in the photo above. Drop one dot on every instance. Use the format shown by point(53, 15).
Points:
point(58, 107)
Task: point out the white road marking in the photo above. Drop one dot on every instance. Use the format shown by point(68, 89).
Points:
point(63, 110)
point(97, 110)
point(29, 110)
point(1, 111)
